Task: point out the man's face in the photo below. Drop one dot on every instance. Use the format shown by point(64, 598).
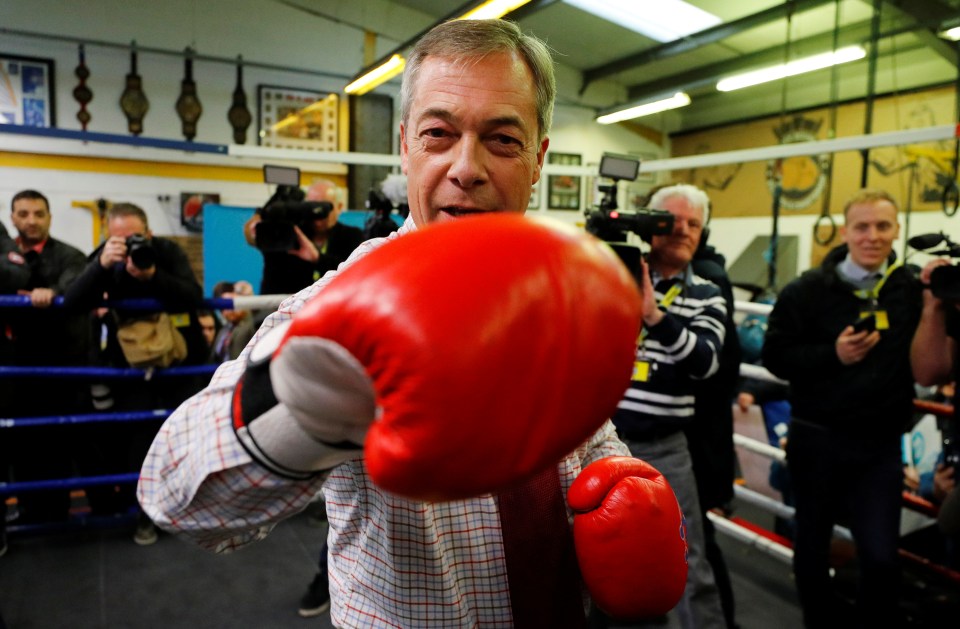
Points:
point(677, 248)
point(322, 192)
point(870, 229)
point(31, 218)
point(469, 143)
point(209, 328)
point(126, 226)
point(233, 316)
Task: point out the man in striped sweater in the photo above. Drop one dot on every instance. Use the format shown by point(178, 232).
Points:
point(683, 319)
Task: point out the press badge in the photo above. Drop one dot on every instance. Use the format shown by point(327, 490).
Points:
point(641, 371)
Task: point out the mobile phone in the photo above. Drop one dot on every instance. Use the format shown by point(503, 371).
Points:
point(866, 324)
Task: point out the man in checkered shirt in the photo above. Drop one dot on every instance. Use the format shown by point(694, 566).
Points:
point(476, 105)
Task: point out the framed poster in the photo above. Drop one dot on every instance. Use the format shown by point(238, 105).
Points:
point(191, 209)
point(27, 94)
point(563, 191)
point(289, 117)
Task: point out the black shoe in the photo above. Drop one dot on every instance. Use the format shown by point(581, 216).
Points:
point(316, 600)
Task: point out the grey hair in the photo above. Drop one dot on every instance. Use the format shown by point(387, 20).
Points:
point(470, 39)
point(694, 195)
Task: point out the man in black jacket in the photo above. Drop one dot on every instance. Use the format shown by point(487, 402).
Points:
point(327, 245)
point(40, 267)
point(134, 264)
point(710, 436)
point(851, 393)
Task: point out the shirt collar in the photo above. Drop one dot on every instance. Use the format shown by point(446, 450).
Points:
point(37, 247)
point(684, 276)
point(853, 271)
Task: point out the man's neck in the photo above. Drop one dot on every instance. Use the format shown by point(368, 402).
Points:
point(28, 245)
point(664, 270)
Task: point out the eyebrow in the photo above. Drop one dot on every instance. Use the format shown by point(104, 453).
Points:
point(447, 116)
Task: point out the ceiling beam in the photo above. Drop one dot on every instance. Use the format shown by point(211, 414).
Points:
point(700, 39)
point(930, 17)
point(707, 76)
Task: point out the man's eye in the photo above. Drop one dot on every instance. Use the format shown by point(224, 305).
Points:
point(434, 133)
point(506, 140)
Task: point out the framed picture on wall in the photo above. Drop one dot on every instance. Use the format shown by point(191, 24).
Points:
point(191, 209)
point(563, 191)
point(27, 91)
point(289, 117)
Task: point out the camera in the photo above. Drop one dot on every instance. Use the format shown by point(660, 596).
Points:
point(607, 223)
point(381, 223)
point(140, 252)
point(944, 280)
point(285, 210)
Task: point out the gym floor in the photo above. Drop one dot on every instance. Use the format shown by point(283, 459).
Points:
point(98, 578)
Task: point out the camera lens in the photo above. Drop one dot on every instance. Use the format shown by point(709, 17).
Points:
point(140, 252)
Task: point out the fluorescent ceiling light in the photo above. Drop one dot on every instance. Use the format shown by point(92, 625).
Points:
point(492, 9)
point(799, 66)
point(394, 65)
point(952, 34)
point(662, 20)
point(679, 99)
point(382, 73)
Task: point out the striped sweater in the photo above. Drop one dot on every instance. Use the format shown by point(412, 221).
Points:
point(683, 347)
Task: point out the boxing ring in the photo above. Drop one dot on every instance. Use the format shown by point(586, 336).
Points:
point(93, 374)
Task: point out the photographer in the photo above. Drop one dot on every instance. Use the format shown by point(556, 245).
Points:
point(933, 358)
point(132, 264)
point(683, 336)
point(322, 242)
point(851, 397)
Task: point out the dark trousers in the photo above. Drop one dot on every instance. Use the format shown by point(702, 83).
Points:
point(856, 481)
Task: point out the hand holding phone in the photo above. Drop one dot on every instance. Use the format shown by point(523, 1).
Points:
point(866, 324)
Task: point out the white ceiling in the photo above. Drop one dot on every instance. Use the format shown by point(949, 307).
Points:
point(909, 53)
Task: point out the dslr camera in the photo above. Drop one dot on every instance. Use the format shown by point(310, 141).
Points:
point(609, 224)
point(944, 280)
point(140, 252)
point(285, 210)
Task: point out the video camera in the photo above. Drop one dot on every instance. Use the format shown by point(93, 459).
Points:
point(285, 210)
point(944, 280)
point(607, 222)
point(381, 223)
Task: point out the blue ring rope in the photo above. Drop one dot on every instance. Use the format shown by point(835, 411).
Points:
point(89, 418)
point(67, 483)
point(107, 372)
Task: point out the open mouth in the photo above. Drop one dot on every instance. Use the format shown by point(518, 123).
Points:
point(461, 211)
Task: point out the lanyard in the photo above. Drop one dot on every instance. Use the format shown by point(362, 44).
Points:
point(664, 303)
point(874, 293)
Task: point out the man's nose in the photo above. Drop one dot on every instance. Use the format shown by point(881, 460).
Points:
point(467, 162)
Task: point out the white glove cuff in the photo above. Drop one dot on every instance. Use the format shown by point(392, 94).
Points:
point(284, 447)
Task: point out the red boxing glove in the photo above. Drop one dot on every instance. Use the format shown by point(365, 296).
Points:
point(494, 346)
point(630, 537)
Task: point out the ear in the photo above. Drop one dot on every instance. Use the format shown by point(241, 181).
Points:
point(540, 156)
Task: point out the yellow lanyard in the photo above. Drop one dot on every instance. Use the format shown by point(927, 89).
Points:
point(874, 293)
point(664, 302)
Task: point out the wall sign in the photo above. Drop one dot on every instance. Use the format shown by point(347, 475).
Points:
point(27, 94)
point(296, 118)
